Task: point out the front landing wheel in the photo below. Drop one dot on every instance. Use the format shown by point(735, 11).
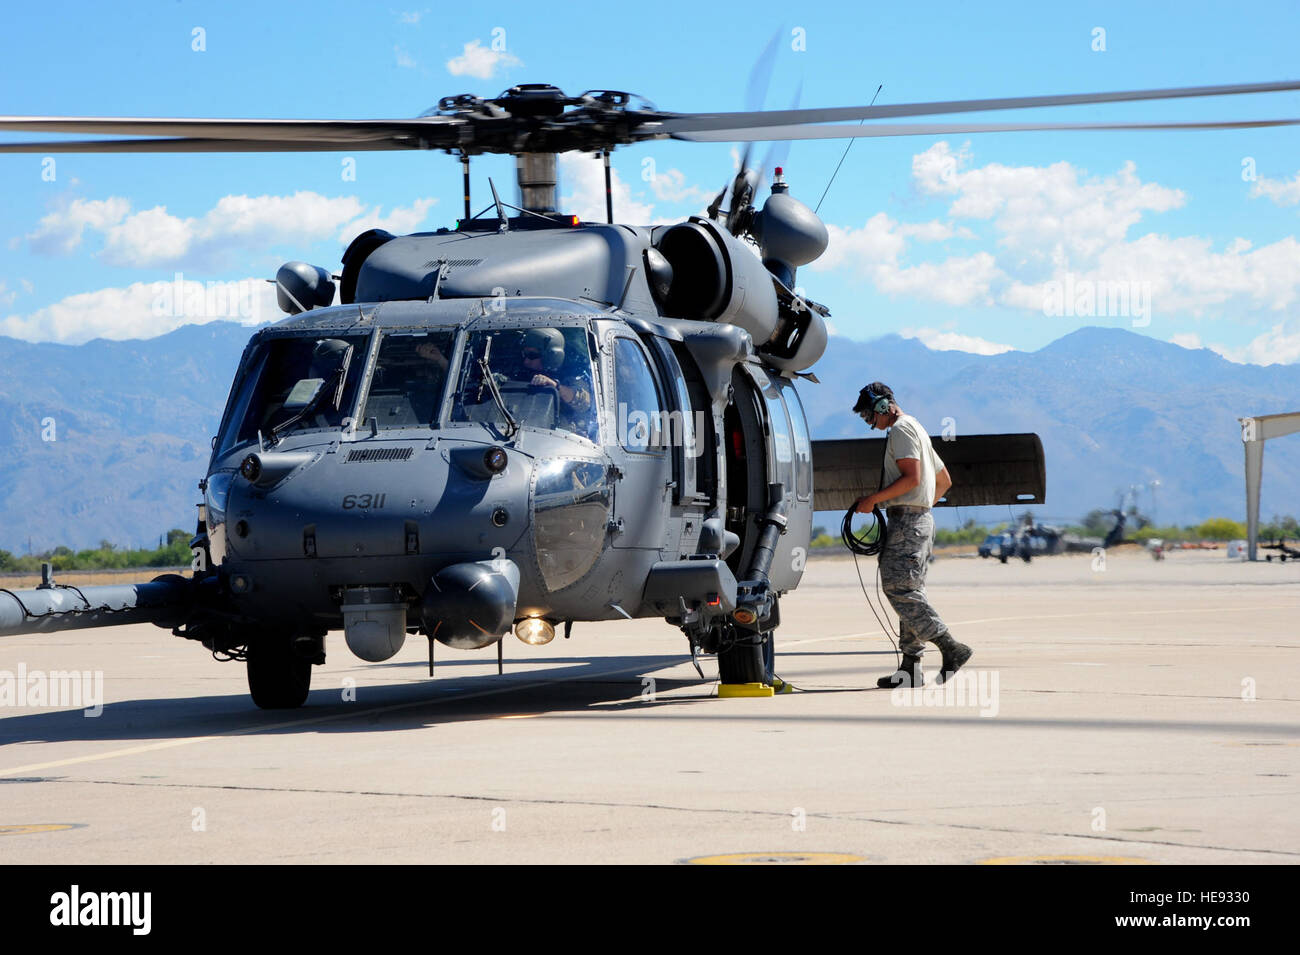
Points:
point(741, 661)
point(278, 678)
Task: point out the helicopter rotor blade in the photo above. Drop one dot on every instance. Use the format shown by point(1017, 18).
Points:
point(943, 129)
point(282, 130)
point(680, 123)
point(201, 146)
point(594, 125)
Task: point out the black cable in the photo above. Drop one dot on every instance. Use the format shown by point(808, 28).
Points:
point(864, 544)
point(857, 545)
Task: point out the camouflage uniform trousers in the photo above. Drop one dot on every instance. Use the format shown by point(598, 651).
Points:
point(903, 563)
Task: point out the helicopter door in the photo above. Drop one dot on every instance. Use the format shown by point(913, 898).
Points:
point(747, 466)
point(642, 494)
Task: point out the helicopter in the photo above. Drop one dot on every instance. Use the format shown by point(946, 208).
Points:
point(527, 420)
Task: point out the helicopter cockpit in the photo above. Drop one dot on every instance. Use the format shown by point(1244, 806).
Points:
point(539, 377)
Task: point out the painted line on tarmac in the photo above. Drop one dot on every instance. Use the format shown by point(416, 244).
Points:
point(1054, 616)
point(308, 721)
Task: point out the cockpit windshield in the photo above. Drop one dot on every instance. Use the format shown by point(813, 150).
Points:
point(295, 383)
point(410, 377)
point(543, 376)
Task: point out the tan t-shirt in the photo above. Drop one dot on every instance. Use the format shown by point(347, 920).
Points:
point(908, 439)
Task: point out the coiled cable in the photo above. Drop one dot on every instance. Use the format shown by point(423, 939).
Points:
point(871, 541)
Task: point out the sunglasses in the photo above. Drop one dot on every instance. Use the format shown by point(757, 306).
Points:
point(531, 354)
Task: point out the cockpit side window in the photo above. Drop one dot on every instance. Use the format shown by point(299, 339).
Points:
point(295, 383)
point(409, 379)
point(543, 375)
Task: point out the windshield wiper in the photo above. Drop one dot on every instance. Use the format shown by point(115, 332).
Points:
point(331, 386)
point(489, 381)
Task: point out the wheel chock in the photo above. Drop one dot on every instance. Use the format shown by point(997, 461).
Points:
point(726, 690)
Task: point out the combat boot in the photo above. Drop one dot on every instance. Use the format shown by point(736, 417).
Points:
point(955, 656)
point(908, 674)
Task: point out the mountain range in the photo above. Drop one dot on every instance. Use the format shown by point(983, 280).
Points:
point(107, 440)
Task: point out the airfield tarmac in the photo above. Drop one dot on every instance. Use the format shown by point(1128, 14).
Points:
point(1123, 729)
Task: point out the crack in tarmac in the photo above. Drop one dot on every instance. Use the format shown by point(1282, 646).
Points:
point(599, 804)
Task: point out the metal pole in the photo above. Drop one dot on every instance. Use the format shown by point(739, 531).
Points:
point(609, 192)
point(464, 166)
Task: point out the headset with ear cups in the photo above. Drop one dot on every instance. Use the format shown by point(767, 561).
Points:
point(876, 404)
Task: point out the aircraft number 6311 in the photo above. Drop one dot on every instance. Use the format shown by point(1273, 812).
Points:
point(375, 501)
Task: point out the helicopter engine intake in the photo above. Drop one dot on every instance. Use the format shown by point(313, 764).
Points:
point(715, 277)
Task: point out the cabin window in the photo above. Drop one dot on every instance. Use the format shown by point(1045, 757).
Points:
point(639, 417)
point(803, 466)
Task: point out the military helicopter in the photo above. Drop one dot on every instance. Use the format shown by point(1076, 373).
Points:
point(527, 420)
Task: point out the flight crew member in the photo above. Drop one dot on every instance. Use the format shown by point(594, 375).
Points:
point(541, 357)
point(914, 479)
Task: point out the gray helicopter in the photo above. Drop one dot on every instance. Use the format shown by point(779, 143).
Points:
point(527, 420)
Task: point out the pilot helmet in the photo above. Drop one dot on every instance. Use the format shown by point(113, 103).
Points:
point(327, 355)
point(549, 343)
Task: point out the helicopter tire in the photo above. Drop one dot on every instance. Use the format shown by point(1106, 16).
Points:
point(278, 678)
point(1003, 558)
point(745, 662)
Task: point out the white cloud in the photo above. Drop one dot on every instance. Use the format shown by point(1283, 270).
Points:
point(144, 310)
point(404, 59)
point(959, 280)
point(1045, 224)
point(670, 186)
point(411, 17)
point(874, 252)
point(1284, 192)
point(401, 220)
point(236, 225)
point(583, 178)
point(1187, 340)
point(1279, 345)
point(61, 231)
point(480, 62)
point(936, 340)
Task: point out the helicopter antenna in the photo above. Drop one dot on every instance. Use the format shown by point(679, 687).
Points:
point(501, 212)
point(846, 153)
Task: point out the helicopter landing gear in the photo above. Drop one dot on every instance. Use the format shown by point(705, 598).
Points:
point(746, 657)
point(279, 674)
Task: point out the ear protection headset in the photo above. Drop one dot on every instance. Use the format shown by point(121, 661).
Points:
point(876, 404)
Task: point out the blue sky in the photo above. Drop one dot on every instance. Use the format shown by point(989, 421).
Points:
point(955, 240)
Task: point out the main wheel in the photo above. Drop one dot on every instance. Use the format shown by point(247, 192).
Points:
point(740, 661)
point(278, 678)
